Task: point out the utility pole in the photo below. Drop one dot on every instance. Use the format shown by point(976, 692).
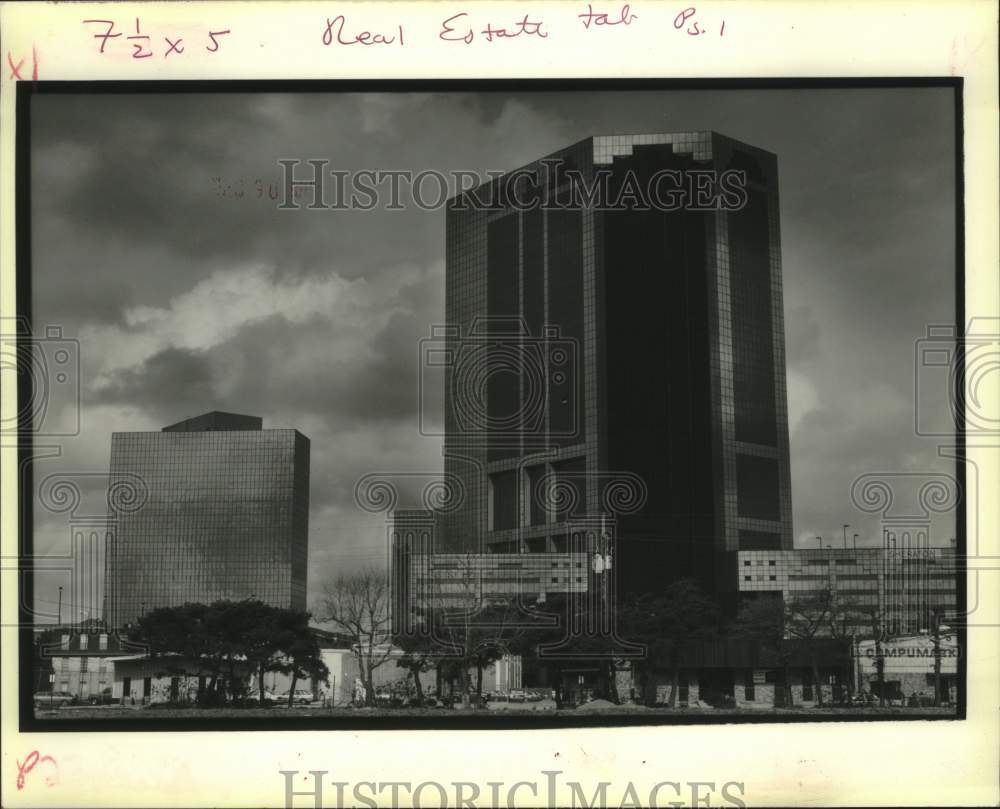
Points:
point(936, 639)
point(894, 580)
point(880, 669)
point(856, 648)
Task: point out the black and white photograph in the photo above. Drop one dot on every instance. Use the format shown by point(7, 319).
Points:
point(491, 406)
point(512, 404)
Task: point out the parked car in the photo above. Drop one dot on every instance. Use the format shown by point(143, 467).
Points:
point(253, 697)
point(534, 696)
point(300, 696)
point(54, 699)
point(517, 695)
point(104, 698)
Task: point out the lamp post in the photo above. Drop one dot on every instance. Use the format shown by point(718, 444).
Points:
point(856, 646)
point(846, 526)
point(59, 614)
point(937, 627)
point(855, 542)
point(820, 541)
point(894, 581)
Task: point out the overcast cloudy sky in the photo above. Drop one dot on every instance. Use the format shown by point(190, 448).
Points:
point(187, 297)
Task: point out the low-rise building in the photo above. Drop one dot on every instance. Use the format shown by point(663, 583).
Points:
point(736, 673)
point(909, 666)
point(143, 679)
point(76, 660)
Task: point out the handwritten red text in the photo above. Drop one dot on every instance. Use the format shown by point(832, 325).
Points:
point(599, 18)
point(454, 29)
point(34, 759)
point(362, 38)
point(141, 42)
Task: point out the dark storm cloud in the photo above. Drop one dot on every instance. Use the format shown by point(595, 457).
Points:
point(189, 297)
point(144, 194)
point(343, 389)
point(251, 372)
point(171, 381)
point(349, 377)
point(140, 170)
point(149, 192)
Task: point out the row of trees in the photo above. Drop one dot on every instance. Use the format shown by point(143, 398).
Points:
point(467, 639)
point(456, 641)
point(462, 642)
point(227, 637)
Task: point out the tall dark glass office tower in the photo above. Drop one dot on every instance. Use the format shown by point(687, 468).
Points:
point(226, 516)
point(634, 339)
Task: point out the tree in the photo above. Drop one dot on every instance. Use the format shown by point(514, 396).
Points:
point(263, 632)
point(417, 657)
point(546, 627)
point(466, 639)
point(300, 654)
point(471, 634)
point(762, 620)
point(225, 634)
point(564, 628)
point(176, 630)
point(669, 622)
point(187, 631)
point(868, 621)
point(358, 605)
point(806, 617)
point(237, 632)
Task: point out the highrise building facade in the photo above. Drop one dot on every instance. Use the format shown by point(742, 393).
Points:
point(225, 516)
point(622, 360)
